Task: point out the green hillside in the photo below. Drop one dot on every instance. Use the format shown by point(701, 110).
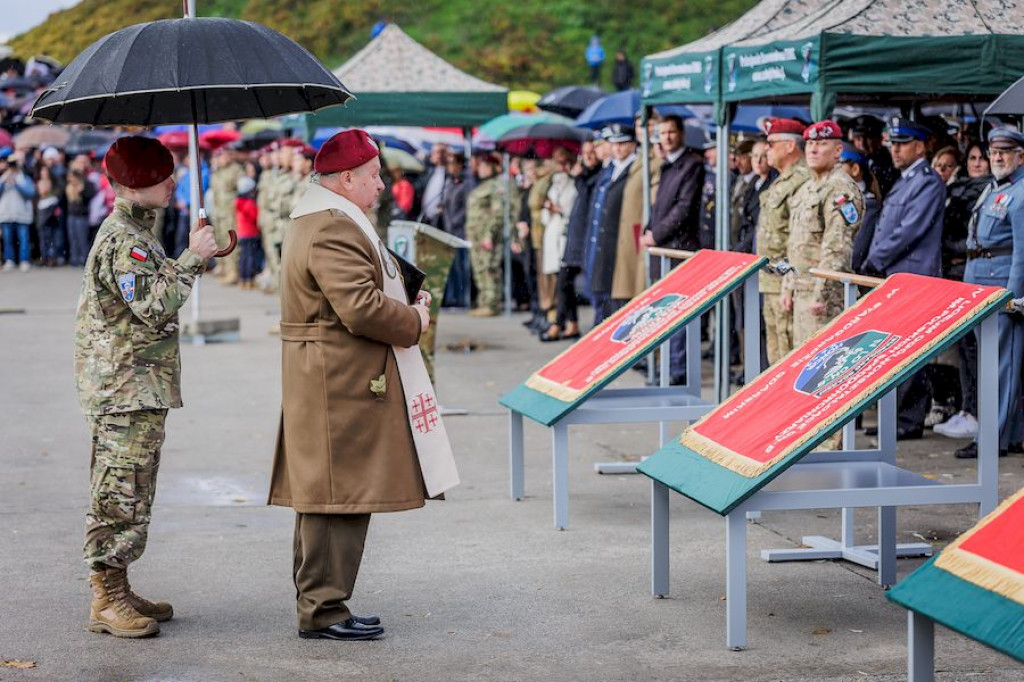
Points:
point(531, 44)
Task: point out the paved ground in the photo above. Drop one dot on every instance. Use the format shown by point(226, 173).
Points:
point(475, 588)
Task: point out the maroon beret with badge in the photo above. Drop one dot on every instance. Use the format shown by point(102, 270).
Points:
point(138, 162)
point(346, 150)
point(823, 130)
point(783, 126)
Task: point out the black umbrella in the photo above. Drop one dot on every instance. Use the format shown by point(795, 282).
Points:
point(570, 100)
point(541, 139)
point(191, 70)
point(1010, 102)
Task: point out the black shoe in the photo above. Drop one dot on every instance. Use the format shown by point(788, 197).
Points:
point(545, 337)
point(871, 431)
point(349, 630)
point(970, 451)
point(1016, 448)
point(909, 434)
point(366, 620)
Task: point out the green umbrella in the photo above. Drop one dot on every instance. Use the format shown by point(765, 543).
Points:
point(488, 133)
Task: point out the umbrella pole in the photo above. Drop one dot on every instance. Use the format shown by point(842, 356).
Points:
point(508, 234)
point(195, 202)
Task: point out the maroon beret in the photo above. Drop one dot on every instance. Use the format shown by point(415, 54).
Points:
point(138, 162)
point(783, 126)
point(823, 130)
point(347, 150)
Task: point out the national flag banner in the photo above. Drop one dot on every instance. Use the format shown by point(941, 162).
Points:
point(991, 555)
point(632, 332)
point(838, 369)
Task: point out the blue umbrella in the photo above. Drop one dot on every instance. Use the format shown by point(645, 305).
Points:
point(622, 108)
point(747, 116)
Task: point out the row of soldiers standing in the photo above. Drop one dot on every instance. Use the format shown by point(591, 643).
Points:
point(282, 170)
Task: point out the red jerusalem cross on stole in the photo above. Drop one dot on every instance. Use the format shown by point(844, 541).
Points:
point(423, 410)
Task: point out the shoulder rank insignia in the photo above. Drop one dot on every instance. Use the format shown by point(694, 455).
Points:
point(847, 209)
point(127, 285)
point(138, 254)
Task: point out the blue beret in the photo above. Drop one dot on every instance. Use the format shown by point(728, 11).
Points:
point(905, 130)
point(1009, 134)
point(852, 154)
point(5, 152)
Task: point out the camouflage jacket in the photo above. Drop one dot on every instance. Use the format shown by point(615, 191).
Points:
point(224, 183)
point(773, 224)
point(485, 211)
point(826, 214)
point(126, 330)
point(266, 200)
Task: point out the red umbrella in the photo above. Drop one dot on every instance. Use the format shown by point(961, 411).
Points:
point(179, 140)
point(218, 138)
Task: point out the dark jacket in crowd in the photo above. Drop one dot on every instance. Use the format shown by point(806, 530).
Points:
point(604, 220)
point(706, 221)
point(908, 236)
point(454, 201)
point(675, 215)
point(622, 75)
point(576, 229)
point(961, 197)
point(862, 241)
point(750, 212)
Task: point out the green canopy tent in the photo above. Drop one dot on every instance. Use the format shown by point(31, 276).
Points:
point(692, 74)
point(881, 51)
point(399, 82)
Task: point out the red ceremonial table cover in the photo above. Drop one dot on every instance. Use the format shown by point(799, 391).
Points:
point(854, 355)
point(626, 335)
point(991, 555)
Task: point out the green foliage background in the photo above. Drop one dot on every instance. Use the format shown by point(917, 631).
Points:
point(522, 44)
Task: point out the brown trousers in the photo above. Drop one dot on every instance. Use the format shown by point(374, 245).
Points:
point(328, 551)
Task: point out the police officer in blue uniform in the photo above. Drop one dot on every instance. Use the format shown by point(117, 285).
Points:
point(995, 257)
point(908, 238)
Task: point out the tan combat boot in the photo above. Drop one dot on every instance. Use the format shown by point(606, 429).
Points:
point(159, 611)
point(110, 611)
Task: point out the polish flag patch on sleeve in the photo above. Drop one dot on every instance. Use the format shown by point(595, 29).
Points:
point(140, 255)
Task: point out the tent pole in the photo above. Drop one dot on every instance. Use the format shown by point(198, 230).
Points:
point(645, 153)
point(722, 206)
point(507, 247)
point(463, 254)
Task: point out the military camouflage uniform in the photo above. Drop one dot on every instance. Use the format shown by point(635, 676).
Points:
point(826, 214)
point(224, 184)
point(266, 220)
point(485, 219)
point(128, 373)
point(772, 238)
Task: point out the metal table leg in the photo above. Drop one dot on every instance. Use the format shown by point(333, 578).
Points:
point(659, 539)
point(515, 454)
point(560, 474)
point(736, 580)
point(920, 648)
point(887, 546)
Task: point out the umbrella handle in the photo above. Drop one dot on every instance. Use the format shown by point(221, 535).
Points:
point(232, 242)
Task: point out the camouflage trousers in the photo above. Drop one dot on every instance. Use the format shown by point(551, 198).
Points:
point(487, 276)
point(778, 328)
point(125, 459)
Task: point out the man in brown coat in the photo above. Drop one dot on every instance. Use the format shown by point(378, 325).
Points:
point(345, 447)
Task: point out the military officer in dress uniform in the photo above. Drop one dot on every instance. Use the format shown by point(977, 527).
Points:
point(128, 373)
point(785, 154)
point(827, 212)
point(908, 238)
point(995, 253)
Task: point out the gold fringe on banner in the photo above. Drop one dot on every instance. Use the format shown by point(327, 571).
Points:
point(751, 468)
point(980, 571)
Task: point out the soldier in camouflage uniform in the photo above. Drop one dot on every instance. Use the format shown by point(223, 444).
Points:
point(266, 201)
point(435, 259)
point(127, 371)
point(224, 183)
point(785, 154)
point(287, 193)
point(827, 212)
point(485, 220)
